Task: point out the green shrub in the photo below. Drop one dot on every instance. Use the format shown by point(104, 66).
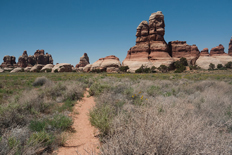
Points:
point(97, 88)
point(41, 137)
point(211, 66)
point(228, 65)
point(144, 69)
point(101, 117)
point(61, 122)
point(194, 67)
point(184, 61)
point(37, 125)
point(219, 66)
point(123, 68)
point(163, 68)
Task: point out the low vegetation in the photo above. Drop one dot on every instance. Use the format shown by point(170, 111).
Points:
point(32, 122)
point(145, 113)
point(163, 116)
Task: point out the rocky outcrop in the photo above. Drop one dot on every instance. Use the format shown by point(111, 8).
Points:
point(86, 68)
point(47, 68)
point(104, 63)
point(216, 56)
point(218, 50)
point(180, 49)
point(84, 60)
point(38, 58)
point(27, 69)
point(18, 69)
point(8, 61)
point(62, 67)
point(151, 49)
point(1, 70)
point(204, 52)
point(230, 47)
point(36, 68)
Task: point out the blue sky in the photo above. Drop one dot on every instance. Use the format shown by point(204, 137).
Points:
point(68, 28)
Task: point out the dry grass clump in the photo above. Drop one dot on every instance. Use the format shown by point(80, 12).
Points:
point(33, 121)
point(164, 117)
point(39, 81)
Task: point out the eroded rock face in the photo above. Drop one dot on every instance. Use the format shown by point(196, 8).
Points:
point(204, 52)
point(218, 50)
point(38, 58)
point(151, 48)
point(180, 49)
point(230, 47)
point(15, 70)
point(84, 60)
point(104, 63)
point(8, 61)
point(36, 68)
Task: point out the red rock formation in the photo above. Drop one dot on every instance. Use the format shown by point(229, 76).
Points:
point(8, 61)
point(151, 48)
point(218, 50)
point(204, 52)
point(180, 49)
point(23, 60)
point(230, 47)
point(38, 58)
point(84, 60)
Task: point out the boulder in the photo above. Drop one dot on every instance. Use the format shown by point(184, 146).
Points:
point(62, 67)
point(18, 69)
point(47, 68)
point(86, 68)
point(8, 61)
point(151, 49)
point(27, 69)
point(84, 60)
point(230, 47)
point(36, 68)
point(1, 70)
point(8, 69)
point(180, 49)
point(103, 63)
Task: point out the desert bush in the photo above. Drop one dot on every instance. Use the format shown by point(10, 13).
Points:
point(40, 81)
point(194, 67)
point(211, 66)
point(163, 68)
point(184, 115)
point(145, 69)
point(123, 68)
point(228, 64)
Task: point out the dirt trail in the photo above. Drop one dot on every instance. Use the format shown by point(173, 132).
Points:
point(83, 140)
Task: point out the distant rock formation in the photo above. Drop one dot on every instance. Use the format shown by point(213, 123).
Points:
point(230, 47)
point(151, 49)
point(38, 58)
point(8, 61)
point(180, 49)
point(218, 50)
point(204, 52)
point(103, 64)
point(84, 60)
point(216, 56)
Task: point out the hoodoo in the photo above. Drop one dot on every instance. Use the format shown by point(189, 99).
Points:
point(151, 49)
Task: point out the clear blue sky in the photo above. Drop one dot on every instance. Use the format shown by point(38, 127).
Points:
point(68, 28)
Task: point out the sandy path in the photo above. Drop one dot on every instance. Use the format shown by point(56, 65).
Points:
point(83, 140)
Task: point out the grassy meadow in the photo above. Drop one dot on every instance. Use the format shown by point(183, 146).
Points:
point(155, 113)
